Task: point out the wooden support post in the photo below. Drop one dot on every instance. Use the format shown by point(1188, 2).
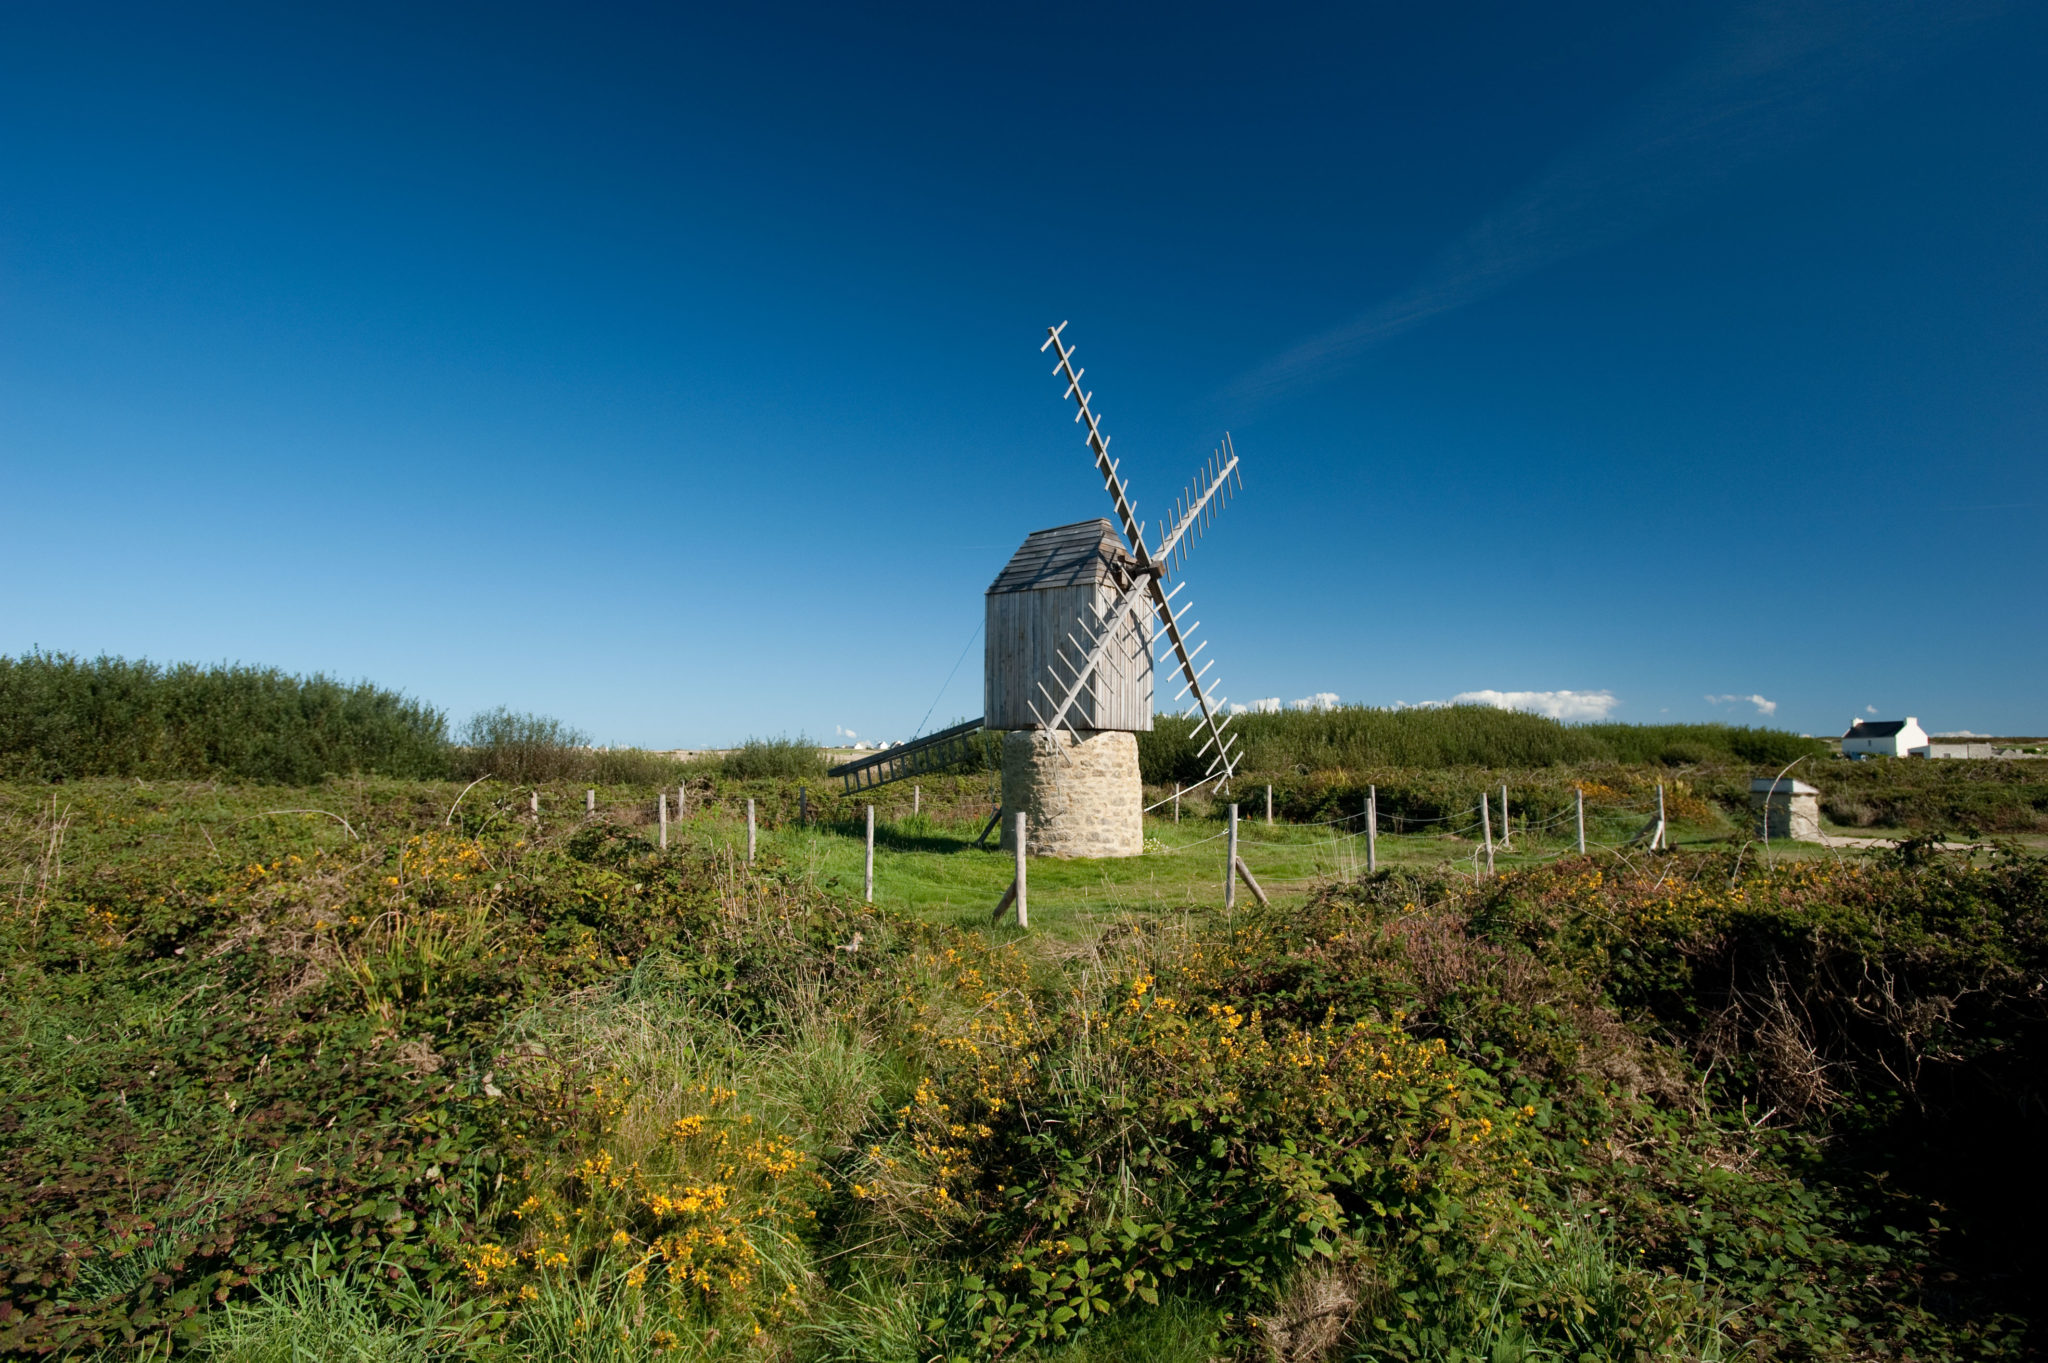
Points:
point(1023, 908)
point(661, 800)
point(1269, 806)
point(1372, 829)
point(1581, 793)
point(590, 802)
point(1176, 802)
point(750, 831)
point(989, 827)
point(871, 855)
point(1486, 822)
point(1230, 865)
point(1246, 872)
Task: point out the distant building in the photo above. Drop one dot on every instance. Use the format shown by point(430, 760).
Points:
point(1883, 737)
point(1983, 752)
point(1953, 751)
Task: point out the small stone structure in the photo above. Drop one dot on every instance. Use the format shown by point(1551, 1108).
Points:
point(1786, 810)
point(1081, 794)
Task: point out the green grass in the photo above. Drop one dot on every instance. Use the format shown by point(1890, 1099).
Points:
point(926, 864)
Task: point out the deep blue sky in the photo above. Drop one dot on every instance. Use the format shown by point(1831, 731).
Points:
point(676, 373)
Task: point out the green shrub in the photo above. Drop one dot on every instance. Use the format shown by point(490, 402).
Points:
point(1358, 737)
point(62, 718)
point(523, 749)
point(765, 758)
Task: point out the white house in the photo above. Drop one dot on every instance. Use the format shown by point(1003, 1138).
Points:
point(1883, 737)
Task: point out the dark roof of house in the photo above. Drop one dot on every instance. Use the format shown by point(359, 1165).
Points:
point(1875, 728)
point(1077, 555)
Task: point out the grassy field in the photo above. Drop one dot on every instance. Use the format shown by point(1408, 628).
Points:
point(387, 1069)
point(929, 867)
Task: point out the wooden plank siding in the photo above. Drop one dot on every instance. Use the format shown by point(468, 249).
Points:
point(1042, 597)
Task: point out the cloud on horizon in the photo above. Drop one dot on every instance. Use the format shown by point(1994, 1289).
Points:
point(1763, 707)
point(1556, 704)
point(1776, 75)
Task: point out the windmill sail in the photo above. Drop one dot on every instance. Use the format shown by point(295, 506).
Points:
point(1150, 570)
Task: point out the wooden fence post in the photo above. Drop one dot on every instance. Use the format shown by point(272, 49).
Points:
point(590, 802)
point(803, 808)
point(916, 800)
point(1486, 822)
point(750, 830)
point(1372, 829)
point(1507, 825)
point(1176, 802)
point(1230, 865)
point(1023, 910)
point(682, 805)
point(662, 800)
point(1580, 791)
point(1269, 806)
point(533, 803)
point(1659, 842)
point(871, 855)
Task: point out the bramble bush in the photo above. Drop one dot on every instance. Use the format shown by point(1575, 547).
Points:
point(468, 1085)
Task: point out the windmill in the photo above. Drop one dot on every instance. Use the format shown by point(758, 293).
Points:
point(1073, 622)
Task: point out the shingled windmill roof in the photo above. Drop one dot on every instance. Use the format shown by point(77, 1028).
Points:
point(1078, 555)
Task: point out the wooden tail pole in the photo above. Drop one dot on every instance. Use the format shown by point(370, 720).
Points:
point(1581, 793)
point(750, 832)
point(661, 801)
point(1372, 829)
point(869, 883)
point(1230, 865)
point(1486, 823)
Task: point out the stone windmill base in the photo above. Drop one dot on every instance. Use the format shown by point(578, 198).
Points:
point(1081, 793)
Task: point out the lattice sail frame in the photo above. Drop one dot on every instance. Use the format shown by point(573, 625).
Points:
point(1107, 632)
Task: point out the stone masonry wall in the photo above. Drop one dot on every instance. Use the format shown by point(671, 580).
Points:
point(1081, 798)
point(1786, 818)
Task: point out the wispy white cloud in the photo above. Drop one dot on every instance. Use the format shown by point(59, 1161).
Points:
point(1556, 704)
point(1763, 707)
point(1321, 700)
point(1779, 73)
point(1870, 709)
point(844, 733)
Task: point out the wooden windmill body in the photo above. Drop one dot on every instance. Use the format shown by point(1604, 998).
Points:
point(1079, 783)
point(1073, 622)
